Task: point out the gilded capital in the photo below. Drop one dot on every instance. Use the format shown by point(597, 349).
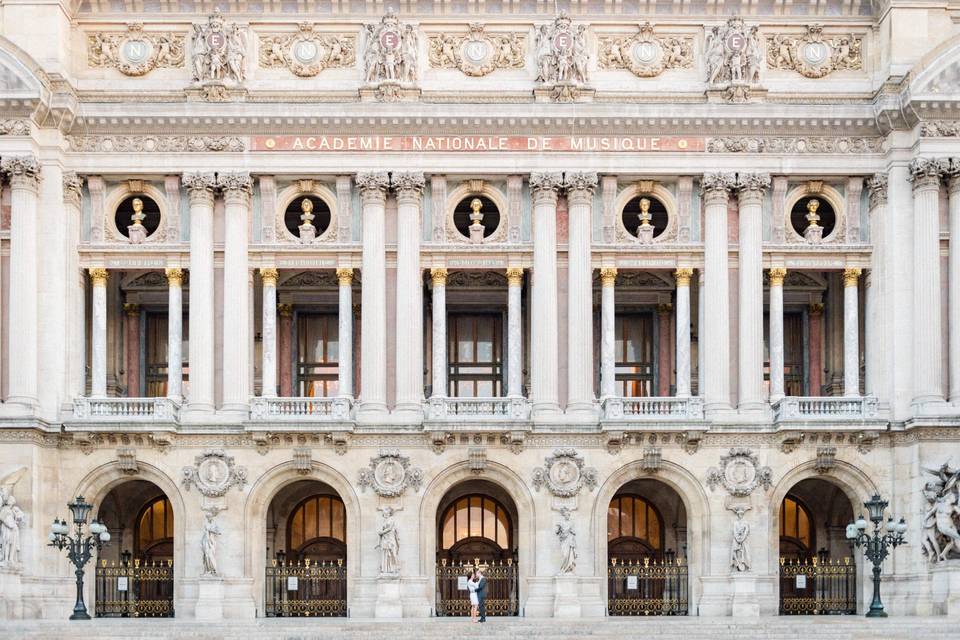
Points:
point(285, 310)
point(98, 276)
point(777, 275)
point(514, 277)
point(851, 277)
point(174, 277)
point(608, 276)
point(682, 276)
point(664, 308)
point(438, 275)
point(132, 309)
point(816, 308)
point(345, 276)
point(269, 276)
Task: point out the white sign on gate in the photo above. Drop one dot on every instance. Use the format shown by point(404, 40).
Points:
point(632, 582)
point(462, 583)
point(122, 583)
point(801, 581)
point(293, 583)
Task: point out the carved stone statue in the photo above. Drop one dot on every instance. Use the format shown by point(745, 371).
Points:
point(740, 552)
point(11, 519)
point(219, 51)
point(568, 543)
point(389, 544)
point(208, 540)
point(561, 52)
point(391, 53)
point(941, 520)
point(734, 58)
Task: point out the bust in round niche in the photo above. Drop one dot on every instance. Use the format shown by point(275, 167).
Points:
point(813, 218)
point(645, 218)
point(307, 217)
point(137, 218)
point(476, 218)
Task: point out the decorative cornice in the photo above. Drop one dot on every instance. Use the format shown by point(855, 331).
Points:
point(940, 129)
point(155, 143)
point(877, 186)
point(14, 127)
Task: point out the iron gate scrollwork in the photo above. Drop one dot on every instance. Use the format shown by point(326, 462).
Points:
point(501, 588)
point(818, 586)
point(650, 588)
point(134, 589)
point(317, 589)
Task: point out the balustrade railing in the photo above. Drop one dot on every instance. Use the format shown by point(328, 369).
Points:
point(825, 408)
point(300, 409)
point(454, 409)
point(126, 409)
point(653, 408)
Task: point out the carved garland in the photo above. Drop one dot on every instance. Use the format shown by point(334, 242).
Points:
point(477, 53)
point(564, 474)
point(307, 52)
point(645, 54)
point(740, 473)
point(213, 473)
point(135, 52)
point(389, 474)
point(813, 56)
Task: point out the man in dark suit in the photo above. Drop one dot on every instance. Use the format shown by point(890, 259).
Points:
point(482, 595)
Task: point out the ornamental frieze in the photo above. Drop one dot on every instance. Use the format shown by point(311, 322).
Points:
point(389, 474)
point(645, 53)
point(798, 144)
point(135, 52)
point(477, 53)
point(740, 473)
point(940, 129)
point(564, 474)
point(307, 52)
point(213, 473)
point(148, 144)
point(14, 127)
point(812, 55)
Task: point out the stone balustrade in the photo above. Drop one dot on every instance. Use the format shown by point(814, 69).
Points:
point(654, 408)
point(812, 408)
point(300, 409)
point(123, 410)
point(468, 409)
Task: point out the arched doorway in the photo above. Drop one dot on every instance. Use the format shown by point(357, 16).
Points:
point(647, 551)
point(306, 544)
point(134, 576)
point(477, 527)
point(817, 571)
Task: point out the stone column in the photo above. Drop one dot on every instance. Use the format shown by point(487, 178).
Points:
point(715, 335)
point(132, 339)
point(700, 323)
point(373, 296)
point(664, 312)
point(345, 327)
point(76, 281)
point(544, 325)
point(580, 395)
point(175, 334)
point(928, 380)
point(268, 357)
point(682, 277)
point(201, 317)
point(23, 299)
point(409, 368)
point(285, 343)
point(608, 316)
point(777, 275)
point(851, 333)
point(98, 367)
point(236, 188)
point(439, 278)
point(750, 343)
point(816, 349)
point(875, 328)
point(514, 333)
point(953, 277)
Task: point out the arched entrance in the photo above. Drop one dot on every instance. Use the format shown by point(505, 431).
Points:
point(817, 571)
point(647, 551)
point(134, 576)
point(477, 527)
point(306, 544)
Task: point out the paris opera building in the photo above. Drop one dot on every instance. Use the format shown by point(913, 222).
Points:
point(309, 308)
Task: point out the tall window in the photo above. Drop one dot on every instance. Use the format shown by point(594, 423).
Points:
point(317, 529)
point(794, 369)
point(634, 354)
point(155, 352)
point(154, 538)
point(476, 355)
point(796, 529)
point(475, 516)
point(317, 354)
point(635, 523)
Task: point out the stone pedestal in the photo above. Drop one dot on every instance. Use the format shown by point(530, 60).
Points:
point(945, 590)
point(307, 232)
point(11, 595)
point(388, 598)
point(744, 600)
point(137, 233)
point(566, 601)
point(645, 233)
point(209, 598)
point(813, 233)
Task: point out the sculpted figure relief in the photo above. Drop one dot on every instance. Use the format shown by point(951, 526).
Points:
point(812, 55)
point(941, 520)
point(208, 540)
point(219, 51)
point(734, 58)
point(477, 53)
point(307, 52)
point(561, 52)
point(135, 52)
point(389, 545)
point(11, 519)
point(391, 53)
point(568, 543)
point(740, 552)
point(644, 53)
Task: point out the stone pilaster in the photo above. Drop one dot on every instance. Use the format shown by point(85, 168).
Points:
point(174, 334)
point(875, 286)
point(777, 275)
point(76, 336)
point(373, 296)
point(344, 208)
point(409, 328)
point(715, 334)
point(851, 333)
point(580, 396)
point(268, 346)
point(682, 277)
point(544, 326)
point(345, 327)
point(608, 316)
point(750, 344)
point(514, 333)
point(200, 186)
point(98, 333)
point(953, 277)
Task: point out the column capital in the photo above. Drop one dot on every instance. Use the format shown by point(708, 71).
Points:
point(199, 185)
point(716, 186)
point(408, 185)
point(23, 171)
point(373, 185)
point(545, 185)
point(132, 309)
point(608, 276)
point(345, 276)
point(682, 275)
point(285, 310)
point(752, 185)
point(514, 276)
point(72, 187)
point(174, 276)
point(269, 276)
point(777, 275)
point(99, 276)
point(925, 172)
point(235, 184)
point(664, 308)
point(816, 308)
point(580, 185)
point(877, 186)
point(851, 277)
point(438, 275)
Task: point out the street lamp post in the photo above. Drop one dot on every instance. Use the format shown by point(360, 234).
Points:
point(79, 547)
point(876, 547)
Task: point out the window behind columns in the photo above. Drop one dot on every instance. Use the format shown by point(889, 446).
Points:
point(794, 363)
point(317, 354)
point(634, 346)
point(154, 368)
point(475, 353)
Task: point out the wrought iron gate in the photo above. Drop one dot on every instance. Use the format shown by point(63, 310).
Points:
point(501, 588)
point(818, 586)
point(306, 589)
point(134, 590)
point(651, 588)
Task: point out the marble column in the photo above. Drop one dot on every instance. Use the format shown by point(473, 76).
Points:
point(851, 333)
point(580, 395)
point(98, 337)
point(268, 346)
point(928, 380)
point(953, 277)
point(285, 345)
point(201, 317)
point(514, 333)
point(236, 187)
point(23, 299)
point(608, 317)
point(777, 275)
point(439, 278)
point(175, 334)
point(682, 277)
point(816, 349)
point(76, 286)
point(132, 339)
point(700, 323)
point(409, 349)
point(750, 335)
point(664, 361)
point(345, 328)
point(544, 324)
point(874, 326)
point(715, 334)
point(373, 296)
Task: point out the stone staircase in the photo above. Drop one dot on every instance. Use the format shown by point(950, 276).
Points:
point(784, 628)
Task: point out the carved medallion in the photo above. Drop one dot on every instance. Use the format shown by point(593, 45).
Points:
point(307, 52)
point(477, 53)
point(390, 474)
point(135, 52)
point(644, 53)
point(812, 55)
point(564, 474)
point(214, 472)
point(739, 473)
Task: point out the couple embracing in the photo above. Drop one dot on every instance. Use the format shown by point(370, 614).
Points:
point(477, 586)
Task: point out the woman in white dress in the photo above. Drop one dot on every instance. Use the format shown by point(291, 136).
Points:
point(472, 583)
